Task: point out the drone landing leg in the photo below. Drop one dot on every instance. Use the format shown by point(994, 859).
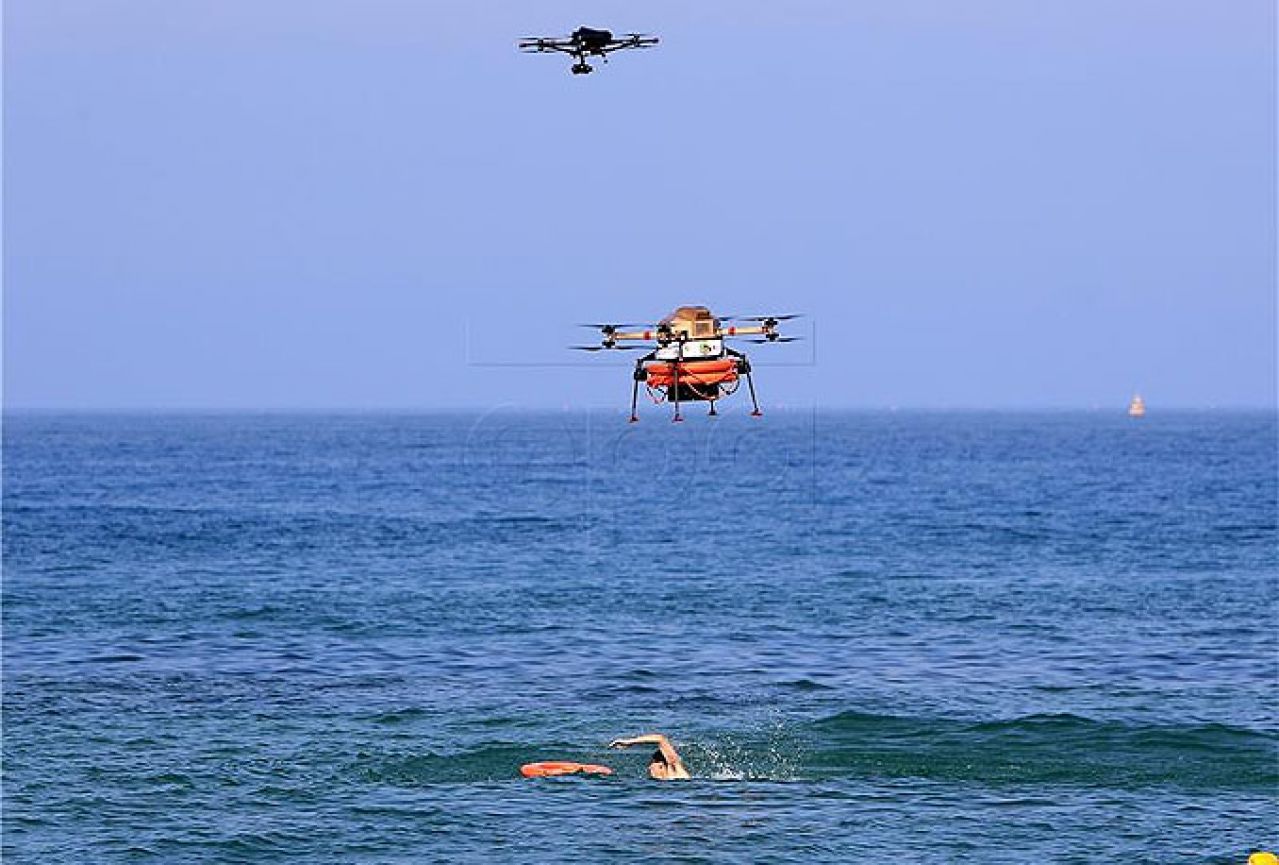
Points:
point(640, 374)
point(750, 383)
point(712, 412)
point(675, 388)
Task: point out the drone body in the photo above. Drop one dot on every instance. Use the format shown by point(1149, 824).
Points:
point(690, 361)
point(586, 42)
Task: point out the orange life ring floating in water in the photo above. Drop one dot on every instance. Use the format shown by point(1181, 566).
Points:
point(549, 768)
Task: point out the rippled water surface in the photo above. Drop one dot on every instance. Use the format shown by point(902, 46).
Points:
point(875, 637)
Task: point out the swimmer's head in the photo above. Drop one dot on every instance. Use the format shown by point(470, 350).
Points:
point(657, 765)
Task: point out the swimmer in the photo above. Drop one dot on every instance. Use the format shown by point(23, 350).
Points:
point(665, 764)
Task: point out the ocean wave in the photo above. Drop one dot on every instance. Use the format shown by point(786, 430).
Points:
point(1060, 748)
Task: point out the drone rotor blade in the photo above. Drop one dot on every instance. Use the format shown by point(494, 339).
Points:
point(778, 339)
point(541, 44)
point(759, 318)
point(629, 40)
point(787, 317)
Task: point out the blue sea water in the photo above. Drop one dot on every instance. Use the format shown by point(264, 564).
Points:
point(875, 637)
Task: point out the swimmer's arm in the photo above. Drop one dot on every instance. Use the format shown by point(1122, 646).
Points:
point(646, 739)
point(669, 754)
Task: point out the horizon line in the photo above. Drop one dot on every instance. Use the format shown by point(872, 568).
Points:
point(545, 409)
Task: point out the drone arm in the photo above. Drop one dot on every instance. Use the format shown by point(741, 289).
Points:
point(630, 42)
point(753, 330)
point(640, 335)
point(541, 45)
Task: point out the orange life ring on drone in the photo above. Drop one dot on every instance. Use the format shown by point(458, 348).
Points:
point(550, 768)
point(695, 372)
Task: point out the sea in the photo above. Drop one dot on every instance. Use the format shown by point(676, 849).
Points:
point(882, 637)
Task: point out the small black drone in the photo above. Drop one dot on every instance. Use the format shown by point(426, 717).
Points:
point(586, 42)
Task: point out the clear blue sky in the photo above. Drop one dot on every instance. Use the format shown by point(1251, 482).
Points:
point(331, 203)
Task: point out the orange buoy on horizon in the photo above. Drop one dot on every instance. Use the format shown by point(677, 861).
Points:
point(551, 768)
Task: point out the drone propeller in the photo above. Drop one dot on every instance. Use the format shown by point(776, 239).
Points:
point(613, 328)
point(762, 318)
point(776, 339)
point(541, 43)
point(606, 347)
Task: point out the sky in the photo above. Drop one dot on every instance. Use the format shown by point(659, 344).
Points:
point(382, 204)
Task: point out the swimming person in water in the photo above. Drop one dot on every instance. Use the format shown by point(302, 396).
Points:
point(665, 764)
